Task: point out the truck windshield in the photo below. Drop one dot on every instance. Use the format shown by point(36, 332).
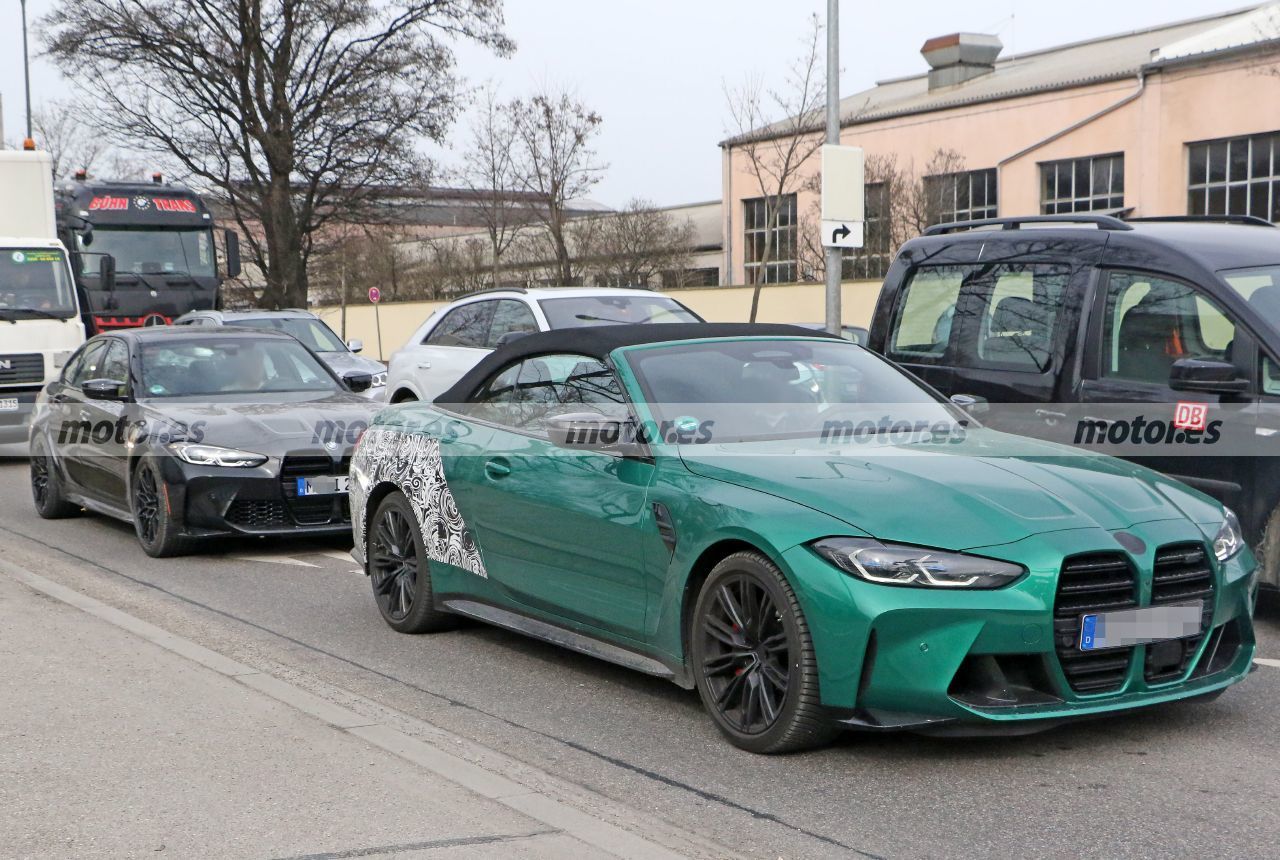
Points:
point(34, 282)
point(152, 252)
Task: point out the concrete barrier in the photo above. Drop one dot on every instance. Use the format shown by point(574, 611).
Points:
point(792, 303)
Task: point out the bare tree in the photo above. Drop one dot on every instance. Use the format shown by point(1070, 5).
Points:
point(295, 111)
point(775, 152)
point(638, 243)
point(59, 129)
point(554, 132)
point(490, 169)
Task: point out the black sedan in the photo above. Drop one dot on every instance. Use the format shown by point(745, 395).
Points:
point(196, 433)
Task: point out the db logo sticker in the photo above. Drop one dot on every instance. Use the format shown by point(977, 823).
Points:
point(1191, 416)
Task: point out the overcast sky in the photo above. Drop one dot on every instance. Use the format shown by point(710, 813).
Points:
point(656, 69)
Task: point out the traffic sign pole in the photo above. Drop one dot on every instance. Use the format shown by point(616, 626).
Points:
point(835, 256)
point(375, 296)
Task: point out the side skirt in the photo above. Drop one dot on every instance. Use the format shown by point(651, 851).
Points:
point(565, 638)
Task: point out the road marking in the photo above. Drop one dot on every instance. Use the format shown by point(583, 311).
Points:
point(271, 559)
point(340, 556)
point(1262, 661)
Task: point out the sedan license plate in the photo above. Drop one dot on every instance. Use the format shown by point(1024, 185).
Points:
point(323, 486)
point(8, 404)
point(1126, 627)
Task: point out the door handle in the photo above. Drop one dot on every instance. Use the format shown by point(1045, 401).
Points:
point(497, 468)
point(1105, 422)
point(85, 416)
point(424, 365)
point(1049, 414)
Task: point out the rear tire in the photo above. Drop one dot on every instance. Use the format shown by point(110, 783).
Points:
point(46, 485)
point(753, 659)
point(400, 571)
point(159, 530)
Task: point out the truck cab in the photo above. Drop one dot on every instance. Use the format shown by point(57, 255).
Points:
point(40, 324)
point(1157, 340)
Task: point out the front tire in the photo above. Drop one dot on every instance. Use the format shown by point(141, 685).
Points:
point(159, 530)
point(46, 486)
point(753, 659)
point(400, 571)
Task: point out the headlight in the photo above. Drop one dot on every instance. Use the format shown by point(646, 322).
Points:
point(897, 564)
point(212, 455)
point(379, 380)
point(1230, 539)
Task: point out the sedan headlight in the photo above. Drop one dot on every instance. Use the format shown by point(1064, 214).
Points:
point(379, 380)
point(212, 455)
point(1230, 539)
point(919, 567)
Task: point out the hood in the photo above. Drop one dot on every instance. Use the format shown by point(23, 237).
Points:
point(341, 362)
point(983, 490)
point(273, 424)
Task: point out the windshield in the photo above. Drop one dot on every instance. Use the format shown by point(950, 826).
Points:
point(151, 252)
point(35, 280)
point(1260, 287)
point(312, 332)
point(580, 311)
point(770, 389)
point(231, 365)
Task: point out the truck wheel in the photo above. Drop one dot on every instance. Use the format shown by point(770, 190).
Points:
point(1268, 552)
point(46, 486)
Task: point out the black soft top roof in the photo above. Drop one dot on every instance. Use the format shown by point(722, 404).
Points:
point(599, 341)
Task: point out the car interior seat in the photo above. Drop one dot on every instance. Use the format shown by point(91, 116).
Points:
point(1150, 338)
point(1018, 333)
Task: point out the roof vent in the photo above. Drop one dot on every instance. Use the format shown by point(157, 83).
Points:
point(960, 57)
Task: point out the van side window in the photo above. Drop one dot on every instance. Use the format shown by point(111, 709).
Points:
point(926, 311)
point(1270, 376)
point(1020, 306)
point(1152, 322)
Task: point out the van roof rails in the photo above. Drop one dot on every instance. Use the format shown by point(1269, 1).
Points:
point(1251, 220)
point(1102, 222)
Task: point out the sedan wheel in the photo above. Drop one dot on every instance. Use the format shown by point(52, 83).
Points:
point(753, 659)
point(399, 571)
point(46, 486)
point(158, 529)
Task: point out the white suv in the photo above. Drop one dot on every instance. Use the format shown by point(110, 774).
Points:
point(455, 337)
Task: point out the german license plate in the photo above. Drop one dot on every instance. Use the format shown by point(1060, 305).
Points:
point(8, 404)
point(1126, 627)
point(323, 486)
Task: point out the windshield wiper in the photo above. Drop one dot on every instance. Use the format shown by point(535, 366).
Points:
point(10, 314)
point(593, 318)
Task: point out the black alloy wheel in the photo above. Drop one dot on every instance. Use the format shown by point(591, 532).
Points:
point(158, 528)
point(399, 570)
point(46, 486)
point(746, 659)
point(753, 660)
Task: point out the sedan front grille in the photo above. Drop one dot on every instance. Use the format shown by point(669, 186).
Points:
point(314, 510)
point(1182, 574)
point(18, 368)
point(1091, 583)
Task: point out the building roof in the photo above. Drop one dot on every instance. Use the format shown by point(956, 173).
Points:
point(1107, 58)
point(599, 341)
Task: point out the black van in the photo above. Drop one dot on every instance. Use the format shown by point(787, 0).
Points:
point(1070, 316)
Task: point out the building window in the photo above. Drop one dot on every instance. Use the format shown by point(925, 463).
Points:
point(1082, 184)
point(777, 230)
point(708, 276)
point(1238, 176)
point(965, 196)
point(871, 261)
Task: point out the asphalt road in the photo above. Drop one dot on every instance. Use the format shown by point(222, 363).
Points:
point(1178, 780)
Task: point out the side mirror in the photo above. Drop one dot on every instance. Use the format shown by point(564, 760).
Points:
point(1206, 376)
point(357, 380)
point(233, 253)
point(355, 344)
point(971, 403)
point(107, 273)
point(104, 389)
point(591, 431)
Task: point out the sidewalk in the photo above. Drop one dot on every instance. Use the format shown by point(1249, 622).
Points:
point(112, 746)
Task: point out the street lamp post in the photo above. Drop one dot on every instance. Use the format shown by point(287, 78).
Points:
point(26, 67)
point(835, 257)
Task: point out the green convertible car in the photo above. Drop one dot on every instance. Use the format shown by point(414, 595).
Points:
point(801, 531)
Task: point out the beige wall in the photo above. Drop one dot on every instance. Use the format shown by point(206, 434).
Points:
point(784, 303)
point(1176, 107)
